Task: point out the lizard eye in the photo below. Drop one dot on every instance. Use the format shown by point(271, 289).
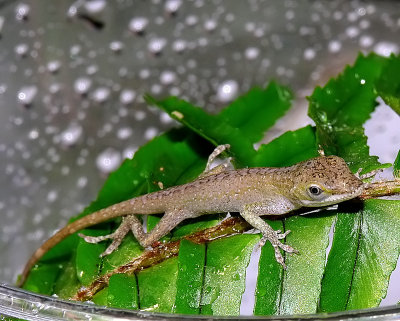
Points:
point(314, 190)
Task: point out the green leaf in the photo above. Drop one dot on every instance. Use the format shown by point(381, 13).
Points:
point(269, 280)
point(257, 111)
point(336, 283)
point(224, 280)
point(67, 283)
point(277, 154)
point(88, 260)
point(388, 85)
point(242, 124)
point(396, 166)
point(123, 292)
point(157, 287)
point(302, 279)
point(190, 277)
point(340, 109)
point(101, 297)
point(42, 278)
point(128, 249)
point(379, 251)
point(358, 271)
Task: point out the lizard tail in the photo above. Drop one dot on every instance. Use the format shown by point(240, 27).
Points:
point(86, 221)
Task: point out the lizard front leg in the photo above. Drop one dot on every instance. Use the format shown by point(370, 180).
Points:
point(251, 215)
point(208, 171)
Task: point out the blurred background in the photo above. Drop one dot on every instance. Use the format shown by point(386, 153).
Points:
point(73, 74)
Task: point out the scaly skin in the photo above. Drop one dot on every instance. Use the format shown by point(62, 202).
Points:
point(252, 192)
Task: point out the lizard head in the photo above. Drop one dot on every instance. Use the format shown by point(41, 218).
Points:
point(325, 181)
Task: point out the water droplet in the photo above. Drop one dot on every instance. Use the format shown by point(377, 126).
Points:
point(227, 91)
point(127, 96)
point(95, 6)
point(140, 115)
point(22, 50)
point(156, 89)
point(54, 88)
point(364, 24)
point(71, 135)
point(1, 25)
point(33, 134)
point(129, 152)
point(65, 170)
point(82, 85)
point(82, 182)
point(252, 53)
point(352, 32)
point(22, 11)
point(334, 46)
point(90, 11)
point(3, 88)
point(172, 6)
point(108, 160)
point(167, 77)
point(144, 73)
point(289, 15)
point(362, 81)
point(179, 46)
point(210, 25)
point(191, 20)
point(309, 54)
point(52, 196)
point(138, 25)
point(27, 94)
point(366, 41)
point(75, 50)
point(156, 45)
point(124, 132)
point(165, 118)
point(92, 69)
point(53, 66)
point(116, 46)
point(385, 48)
point(150, 133)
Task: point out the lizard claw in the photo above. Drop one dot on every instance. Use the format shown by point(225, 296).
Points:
point(278, 245)
point(280, 235)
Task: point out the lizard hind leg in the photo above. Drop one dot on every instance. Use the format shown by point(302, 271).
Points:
point(129, 223)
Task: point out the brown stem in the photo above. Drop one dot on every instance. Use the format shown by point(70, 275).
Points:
point(163, 251)
point(383, 188)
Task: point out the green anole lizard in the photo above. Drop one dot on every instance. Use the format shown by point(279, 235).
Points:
point(253, 192)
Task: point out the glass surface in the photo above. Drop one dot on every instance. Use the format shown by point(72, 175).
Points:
point(72, 78)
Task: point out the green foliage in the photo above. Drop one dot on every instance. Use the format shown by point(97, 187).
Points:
point(210, 279)
point(396, 166)
point(225, 274)
point(191, 261)
point(123, 292)
point(388, 86)
point(340, 109)
point(241, 124)
point(364, 253)
point(157, 286)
